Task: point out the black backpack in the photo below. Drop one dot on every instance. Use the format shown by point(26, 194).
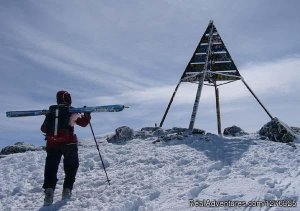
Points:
point(58, 119)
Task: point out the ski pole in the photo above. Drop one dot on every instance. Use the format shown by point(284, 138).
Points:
point(99, 152)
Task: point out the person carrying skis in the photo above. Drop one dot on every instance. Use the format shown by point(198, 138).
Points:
point(58, 127)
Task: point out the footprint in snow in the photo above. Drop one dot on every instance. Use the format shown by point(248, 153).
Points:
point(263, 180)
point(216, 166)
point(225, 171)
point(267, 181)
point(183, 162)
point(269, 196)
point(194, 192)
point(279, 169)
point(154, 195)
point(273, 193)
point(271, 184)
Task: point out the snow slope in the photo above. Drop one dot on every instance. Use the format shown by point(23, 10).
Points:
point(161, 176)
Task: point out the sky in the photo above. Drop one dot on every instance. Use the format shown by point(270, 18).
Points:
point(134, 53)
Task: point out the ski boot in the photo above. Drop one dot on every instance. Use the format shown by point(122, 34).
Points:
point(66, 193)
point(49, 193)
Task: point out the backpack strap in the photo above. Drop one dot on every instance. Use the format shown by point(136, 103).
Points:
point(56, 121)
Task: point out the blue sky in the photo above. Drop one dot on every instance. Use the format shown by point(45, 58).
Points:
point(134, 52)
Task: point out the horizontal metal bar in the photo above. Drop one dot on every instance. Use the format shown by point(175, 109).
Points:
point(194, 63)
point(218, 71)
point(215, 33)
point(190, 79)
point(216, 52)
point(194, 73)
point(220, 62)
point(233, 76)
point(190, 73)
point(192, 76)
point(225, 83)
point(219, 52)
point(225, 71)
point(214, 43)
point(208, 85)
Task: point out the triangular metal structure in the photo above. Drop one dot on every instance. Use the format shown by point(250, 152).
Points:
point(211, 56)
point(212, 65)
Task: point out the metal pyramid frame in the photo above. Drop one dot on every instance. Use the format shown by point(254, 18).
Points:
point(210, 63)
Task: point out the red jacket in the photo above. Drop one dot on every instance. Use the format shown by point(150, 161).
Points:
point(65, 136)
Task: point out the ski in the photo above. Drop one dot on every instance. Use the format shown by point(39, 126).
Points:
point(106, 108)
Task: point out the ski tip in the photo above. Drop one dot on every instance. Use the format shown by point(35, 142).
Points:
point(8, 114)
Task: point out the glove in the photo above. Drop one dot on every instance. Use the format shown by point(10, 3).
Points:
point(87, 114)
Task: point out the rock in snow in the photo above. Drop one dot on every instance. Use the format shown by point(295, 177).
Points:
point(234, 131)
point(277, 131)
point(122, 134)
point(125, 133)
point(19, 147)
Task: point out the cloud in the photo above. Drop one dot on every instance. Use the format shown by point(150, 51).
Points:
point(76, 63)
point(268, 78)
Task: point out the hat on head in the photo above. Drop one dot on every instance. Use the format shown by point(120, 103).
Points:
point(63, 97)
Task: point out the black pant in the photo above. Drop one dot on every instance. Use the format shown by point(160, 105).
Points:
point(71, 164)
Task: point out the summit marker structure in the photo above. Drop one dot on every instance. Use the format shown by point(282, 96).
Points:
point(211, 65)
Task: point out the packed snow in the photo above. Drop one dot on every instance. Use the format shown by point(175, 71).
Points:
point(147, 173)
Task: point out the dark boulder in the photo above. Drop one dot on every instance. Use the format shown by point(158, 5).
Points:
point(178, 130)
point(277, 131)
point(178, 133)
point(19, 147)
point(198, 131)
point(147, 132)
point(234, 131)
point(122, 134)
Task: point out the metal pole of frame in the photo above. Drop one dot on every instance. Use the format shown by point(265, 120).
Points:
point(218, 109)
point(201, 82)
point(169, 105)
point(257, 98)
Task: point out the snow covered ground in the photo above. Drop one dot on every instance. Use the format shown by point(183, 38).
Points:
point(161, 176)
